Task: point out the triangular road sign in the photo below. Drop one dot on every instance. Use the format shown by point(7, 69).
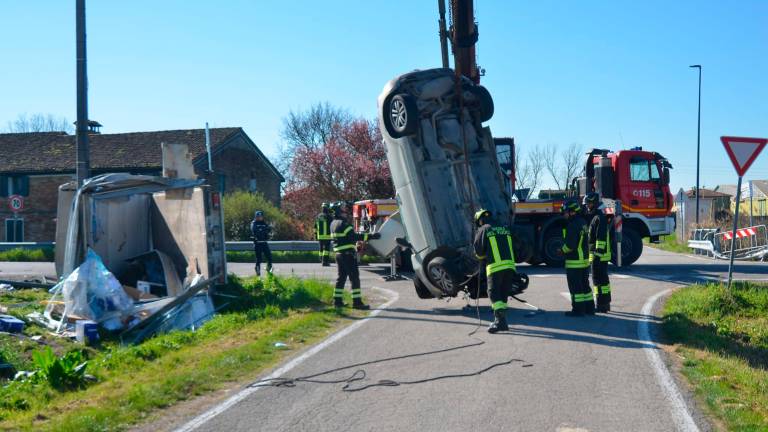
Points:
point(743, 151)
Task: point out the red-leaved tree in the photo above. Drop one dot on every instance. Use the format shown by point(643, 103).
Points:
point(350, 165)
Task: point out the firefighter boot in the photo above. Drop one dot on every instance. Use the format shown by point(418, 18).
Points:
point(338, 302)
point(499, 322)
point(358, 304)
point(258, 270)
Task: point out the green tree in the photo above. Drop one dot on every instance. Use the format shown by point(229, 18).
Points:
point(239, 208)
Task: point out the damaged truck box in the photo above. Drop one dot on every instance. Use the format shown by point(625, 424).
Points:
point(160, 239)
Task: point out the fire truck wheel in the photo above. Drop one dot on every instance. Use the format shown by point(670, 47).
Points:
point(553, 242)
point(401, 115)
point(421, 290)
point(631, 248)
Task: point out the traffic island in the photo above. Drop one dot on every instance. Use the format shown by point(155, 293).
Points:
point(721, 339)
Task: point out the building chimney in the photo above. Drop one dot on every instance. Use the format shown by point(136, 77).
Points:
point(94, 127)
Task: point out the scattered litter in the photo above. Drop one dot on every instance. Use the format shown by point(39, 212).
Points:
point(23, 375)
point(4, 288)
point(89, 292)
point(280, 345)
point(37, 338)
point(3, 309)
point(86, 332)
point(11, 324)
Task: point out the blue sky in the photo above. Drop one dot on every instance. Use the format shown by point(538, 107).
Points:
point(610, 74)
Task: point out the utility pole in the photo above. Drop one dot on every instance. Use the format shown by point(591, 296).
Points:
point(443, 33)
point(698, 146)
point(83, 157)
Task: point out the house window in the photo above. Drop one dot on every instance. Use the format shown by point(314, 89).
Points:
point(14, 185)
point(14, 230)
point(252, 185)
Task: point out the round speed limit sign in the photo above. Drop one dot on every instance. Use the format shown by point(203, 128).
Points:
point(16, 203)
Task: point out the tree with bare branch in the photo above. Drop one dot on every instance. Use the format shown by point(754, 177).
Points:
point(309, 130)
point(564, 168)
point(39, 123)
point(529, 168)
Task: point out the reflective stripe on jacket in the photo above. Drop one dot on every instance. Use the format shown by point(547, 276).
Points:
point(493, 244)
point(344, 236)
point(575, 247)
point(599, 237)
point(323, 227)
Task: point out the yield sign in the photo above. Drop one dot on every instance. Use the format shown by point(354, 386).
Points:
point(743, 151)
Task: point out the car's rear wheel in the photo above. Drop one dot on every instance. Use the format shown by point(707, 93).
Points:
point(485, 102)
point(401, 115)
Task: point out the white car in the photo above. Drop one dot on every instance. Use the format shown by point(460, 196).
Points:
point(438, 187)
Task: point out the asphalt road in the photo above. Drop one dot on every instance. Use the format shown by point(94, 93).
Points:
point(601, 373)
point(569, 374)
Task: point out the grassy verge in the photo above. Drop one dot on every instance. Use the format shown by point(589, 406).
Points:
point(133, 383)
point(723, 341)
point(290, 257)
point(669, 243)
point(27, 255)
point(47, 255)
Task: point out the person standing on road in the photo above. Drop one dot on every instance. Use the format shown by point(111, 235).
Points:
point(323, 234)
point(345, 239)
point(261, 233)
point(576, 260)
point(493, 247)
point(599, 250)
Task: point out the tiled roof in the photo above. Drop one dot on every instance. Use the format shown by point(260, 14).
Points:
point(706, 193)
point(54, 152)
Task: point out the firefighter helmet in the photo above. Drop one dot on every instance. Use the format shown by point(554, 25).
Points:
point(480, 215)
point(571, 205)
point(591, 198)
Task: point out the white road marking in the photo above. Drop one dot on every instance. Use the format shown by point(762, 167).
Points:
point(621, 276)
point(680, 415)
point(242, 394)
point(567, 295)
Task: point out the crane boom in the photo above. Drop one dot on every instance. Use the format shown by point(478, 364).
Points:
point(463, 39)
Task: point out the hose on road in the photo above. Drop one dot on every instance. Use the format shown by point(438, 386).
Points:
point(361, 374)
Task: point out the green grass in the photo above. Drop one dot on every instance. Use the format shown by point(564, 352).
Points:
point(26, 255)
point(134, 383)
point(290, 257)
point(723, 340)
point(669, 243)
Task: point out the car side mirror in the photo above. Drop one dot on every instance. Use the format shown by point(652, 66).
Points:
point(665, 176)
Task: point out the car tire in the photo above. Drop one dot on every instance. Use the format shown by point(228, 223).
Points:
point(485, 101)
point(631, 248)
point(553, 241)
point(439, 273)
point(401, 115)
point(421, 290)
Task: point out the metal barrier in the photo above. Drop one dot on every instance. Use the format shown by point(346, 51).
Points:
point(285, 245)
point(750, 243)
point(701, 241)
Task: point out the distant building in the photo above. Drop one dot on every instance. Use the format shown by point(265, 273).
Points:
point(713, 207)
point(754, 201)
point(33, 165)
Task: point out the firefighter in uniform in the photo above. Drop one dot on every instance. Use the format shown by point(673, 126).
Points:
point(345, 245)
point(599, 250)
point(493, 247)
point(576, 252)
point(323, 234)
point(261, 232)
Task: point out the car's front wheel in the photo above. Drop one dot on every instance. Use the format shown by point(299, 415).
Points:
point(400, 115)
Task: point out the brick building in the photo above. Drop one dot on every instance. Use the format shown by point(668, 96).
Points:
point(33, 165)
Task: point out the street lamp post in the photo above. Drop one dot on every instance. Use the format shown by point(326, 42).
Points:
point(698, 146)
